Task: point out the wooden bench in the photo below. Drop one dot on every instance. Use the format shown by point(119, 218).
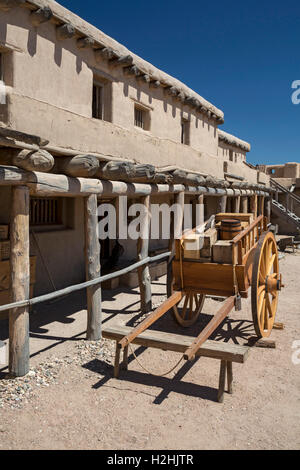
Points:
point(225, 352)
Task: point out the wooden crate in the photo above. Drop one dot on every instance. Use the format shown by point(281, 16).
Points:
point(4, 232)
point(4, 250)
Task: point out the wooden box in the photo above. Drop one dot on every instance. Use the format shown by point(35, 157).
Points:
point(192, 246)
point(208, 239)
point(4, 250)
point(4, 232)
point(222, 252)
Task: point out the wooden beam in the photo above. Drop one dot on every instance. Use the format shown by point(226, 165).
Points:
point(143, 252)
point(20, 282)
point(39, 160)
point(123, 61)
point(268, 208)
point(116, 171)
point(261, 204)
point(22, 137)
point(65, 31)
point(81, 166)
point(92, 261)
point(210, 328)
point(85, 43)
point(152, 318)
point(42, 15)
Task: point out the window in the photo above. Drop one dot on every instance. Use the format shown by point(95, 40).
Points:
point(46, 211)
point(102, 98)
point(142, 118)
point(185, 132)
point(97, 101)
point(231, 155)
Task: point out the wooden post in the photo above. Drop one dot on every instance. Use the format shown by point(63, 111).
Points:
point(176, 227)
point(253, 205)
point(237, 203)
point(222, 378)
point(221, 206)
point(244, 204)
point(268, 208)
point(143, 252)
point(261, 205)
point(92, 261)
point(287, 201)
point(20, 282)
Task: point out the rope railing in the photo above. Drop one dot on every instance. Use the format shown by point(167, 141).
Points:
point(84, 285)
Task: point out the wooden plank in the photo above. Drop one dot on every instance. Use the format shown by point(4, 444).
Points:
point(179, 343)
point(209, 277)
point(217, 319)
point(20, 282)
point(92, 262)
point(159, 312)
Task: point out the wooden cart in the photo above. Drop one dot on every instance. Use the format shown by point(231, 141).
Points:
point(254, 264)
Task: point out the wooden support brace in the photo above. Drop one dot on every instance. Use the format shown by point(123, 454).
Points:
point(117, 362)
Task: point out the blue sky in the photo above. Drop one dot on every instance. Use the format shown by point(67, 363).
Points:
point(243, 57)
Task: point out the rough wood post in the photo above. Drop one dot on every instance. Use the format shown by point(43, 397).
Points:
point(268, 209)
point(253, 205)
point(20, 282)
point(261, 204)
point(222, 379)
point(143, 252)
point(221, 205)
point(92, 262)
point(236, 204)
point(244, 204)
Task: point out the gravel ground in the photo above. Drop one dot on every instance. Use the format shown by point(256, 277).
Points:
point(70, 400)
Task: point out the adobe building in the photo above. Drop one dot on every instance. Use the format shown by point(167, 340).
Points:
point(83, 119)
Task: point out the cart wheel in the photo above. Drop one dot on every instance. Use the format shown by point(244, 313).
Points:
point(266, 283)
point(187, 311)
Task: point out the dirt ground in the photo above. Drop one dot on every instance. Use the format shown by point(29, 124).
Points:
point(71, 401)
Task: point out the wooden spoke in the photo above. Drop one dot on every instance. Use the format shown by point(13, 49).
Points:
point(265, 266)
point(188, 310)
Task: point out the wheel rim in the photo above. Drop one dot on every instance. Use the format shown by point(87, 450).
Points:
point(265, 285)
point(187, 311)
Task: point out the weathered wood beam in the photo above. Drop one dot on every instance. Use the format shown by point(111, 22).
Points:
point(154, 83)
point(116, 171)
point(261, 205)
point(143, 252)
point(81, 166)
point(42, 15)
point(107, 53)
point(144, 78)
point(20, 282)
point(85, 43)
point(65, 31)
point(7, 5)
point(123, 61)
point(132, 71)
point(92, 261)
point(268, 208)
point(39, 160)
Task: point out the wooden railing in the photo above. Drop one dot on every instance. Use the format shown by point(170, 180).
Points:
point(247, 239)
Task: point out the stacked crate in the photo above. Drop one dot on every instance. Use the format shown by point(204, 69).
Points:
point(5, 296)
